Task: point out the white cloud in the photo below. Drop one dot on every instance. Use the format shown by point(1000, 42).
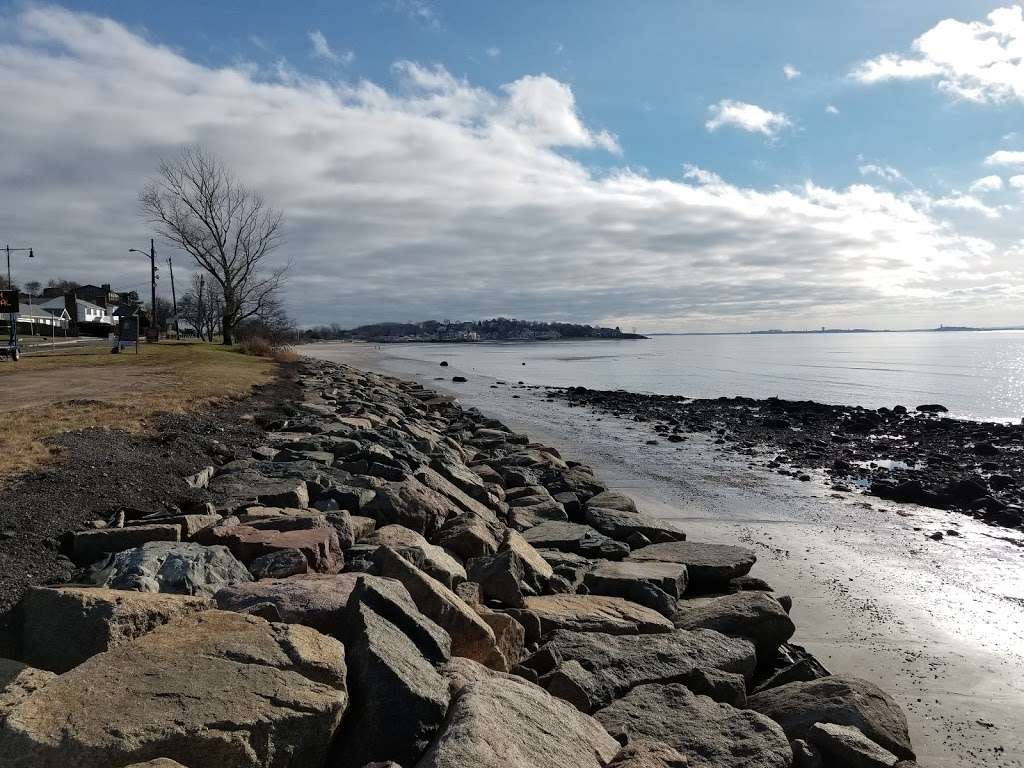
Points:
point(494, 52)
point(746, 117)
point(886, 172)
point(980, 61)
point(987, 184)
point(438, 198)
point(831, 109)
point(1017, 182)
point(322, 49)
point(1005, 157)
point(420, 11)
point(791, 72)
point(966, 203)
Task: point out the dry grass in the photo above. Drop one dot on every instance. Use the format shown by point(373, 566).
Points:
point(129, 388)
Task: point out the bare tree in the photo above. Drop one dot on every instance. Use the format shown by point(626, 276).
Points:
point(200, 309)
point(198, 205)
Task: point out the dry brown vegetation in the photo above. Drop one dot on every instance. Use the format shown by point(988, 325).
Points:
point(44, 395)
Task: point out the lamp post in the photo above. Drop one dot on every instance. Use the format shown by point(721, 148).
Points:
point(152, 278)
point(13, 318)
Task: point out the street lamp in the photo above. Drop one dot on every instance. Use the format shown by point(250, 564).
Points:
point(152, 278)
point(12, 318)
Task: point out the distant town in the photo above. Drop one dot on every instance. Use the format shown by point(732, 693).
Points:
point(498, 329)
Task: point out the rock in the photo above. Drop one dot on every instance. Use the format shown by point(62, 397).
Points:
point(652, 584)
point(645, 753)
point(249, 487)
point(190, 524)
point(436, 561)
point(459, 379)
point(622, 524)
point(413, 505)
point(315, 600)
point(279, 564)
point(509, 634)
point(573, 537)
point(803, 670)
point(592, 669)
point(710, 734)
point(182, 568)
point(64, 626)
point(806, 756)
point(710, 566)
point(932, 408)
point(506, 722)
point(841, 700)
point(470, 635)
point(201, 478)
point(391, 601)
point(160, 762)
point(501, 578)
point(536, 570)
point(209, 690)
point(319, 546)
point(18, 681)
point(577, 480)
point(756, 616)
point(467, 537)
point(588, 613)
point(90, 546)
point(849, 748)
point(398, 698)
point(612, 500)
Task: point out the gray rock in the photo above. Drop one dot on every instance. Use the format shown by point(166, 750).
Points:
point(589, 613)
point(436, 561)
point(201, 478)
point(710, 566)
point(398, 699)
point(536, 570)
point(467, 537)
point(18, 681)
point(622, 525)
point(646, 753)
point(612, 500)
point(652, 584)
point(279, 564)
point(190, 524)
point(805, 755)
point(799, 671)
point(90, 546)
point(573, 537)
point(532, 510)
point(392, 601)
point(841, 700)
point(240, 489)
point(756, 616)
point(182, 568)
point(501, 578)
point(592, 669)
point(413, 505)
point(710, 734)
point(849, 748)
point(504, 722)
point(316, 600)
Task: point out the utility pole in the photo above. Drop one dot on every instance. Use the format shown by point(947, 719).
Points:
point(174, 299)
point(12, 318)
point(152, 279)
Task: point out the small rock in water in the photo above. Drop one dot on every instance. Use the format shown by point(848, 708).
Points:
point(458, 379)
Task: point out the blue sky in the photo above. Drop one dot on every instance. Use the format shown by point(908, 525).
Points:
point(822, 167)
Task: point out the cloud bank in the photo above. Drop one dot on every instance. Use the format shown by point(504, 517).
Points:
point(433, 197)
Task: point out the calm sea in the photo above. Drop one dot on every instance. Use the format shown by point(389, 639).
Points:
point(977, 375)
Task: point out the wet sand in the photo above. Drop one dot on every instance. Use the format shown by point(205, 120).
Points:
point(939, 624)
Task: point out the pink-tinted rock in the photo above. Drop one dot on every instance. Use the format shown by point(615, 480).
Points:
point(319, 545)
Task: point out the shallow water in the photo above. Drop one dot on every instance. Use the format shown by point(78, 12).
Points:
point(977, 375)
point(939, 624)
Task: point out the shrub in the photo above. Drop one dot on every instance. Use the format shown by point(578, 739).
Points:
point(256, 345)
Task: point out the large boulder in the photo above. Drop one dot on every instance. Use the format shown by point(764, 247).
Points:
point(621, 524)
point(181, 568)
point(709, 733)
point(612, 500)
point(436, 561)
point(412, 504)
point(653, 584)
point(467, 537)
point(89, 546)
point(645, 753)
point(592, 669)
point(398, 697)
point(577, 538)
point(504, 722)
point(590, 613)
point(501, 577)
point(470, 634)
point(248, 487)
point(209, 690)
point(536, 570)
point(849, 748)
point(316, 600)
point(710, 566)
point(318, 545)
point(64, 626)
point(756, 616)
point(841, 700)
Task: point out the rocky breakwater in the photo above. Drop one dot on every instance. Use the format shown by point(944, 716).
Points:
point(392, 580)
point(917, 455)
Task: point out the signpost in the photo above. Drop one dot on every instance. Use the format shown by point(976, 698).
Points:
point(128, 332)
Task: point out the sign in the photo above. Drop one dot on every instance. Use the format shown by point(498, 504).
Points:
point(9, 302)
point(128, 330)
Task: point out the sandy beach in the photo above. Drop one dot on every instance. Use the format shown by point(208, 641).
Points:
point(940, 624)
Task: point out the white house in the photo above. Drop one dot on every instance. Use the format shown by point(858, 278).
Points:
point(48, 318)
point(87, 311)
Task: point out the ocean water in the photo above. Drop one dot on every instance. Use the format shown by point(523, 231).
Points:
point(977, 375)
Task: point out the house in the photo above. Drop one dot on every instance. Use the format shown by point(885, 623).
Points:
point(43, 320)
point(86, 311)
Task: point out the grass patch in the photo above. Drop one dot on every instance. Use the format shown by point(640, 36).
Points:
point(94, 388)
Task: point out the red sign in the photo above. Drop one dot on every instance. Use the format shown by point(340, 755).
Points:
point(8, 302)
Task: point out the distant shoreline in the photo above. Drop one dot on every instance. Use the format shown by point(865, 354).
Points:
point(839, 331)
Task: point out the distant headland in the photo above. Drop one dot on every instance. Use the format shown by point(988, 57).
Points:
point(784, 332)
point(497, 329)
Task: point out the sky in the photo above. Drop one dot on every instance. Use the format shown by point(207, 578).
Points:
point(665, 166)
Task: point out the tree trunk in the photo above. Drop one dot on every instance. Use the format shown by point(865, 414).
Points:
point(229, 330)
